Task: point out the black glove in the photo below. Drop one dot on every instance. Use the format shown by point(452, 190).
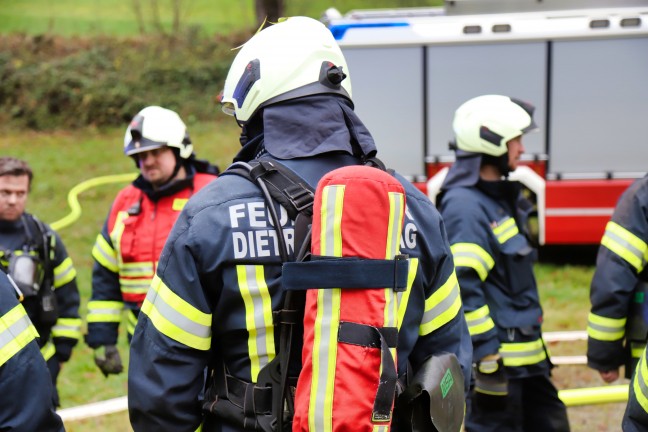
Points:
point(491, 384)
point(108, 360)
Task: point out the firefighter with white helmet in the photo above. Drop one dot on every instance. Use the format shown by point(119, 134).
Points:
point(485, 217)
point(289, 88)
point(126, 251)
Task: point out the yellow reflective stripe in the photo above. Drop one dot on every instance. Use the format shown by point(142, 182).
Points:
point(327, 319)
point(137, 269)
point(640, 383)
point(179, 203)
point(403, 296)
point(377, 428)
point(131, 322)
point(175, 318)
point(442, 306)
point(68, 328)
point(16, 331)
point(116, 235)
point(522, 353)
point(104, 311)
point(135, 286)
point(637, 349)
point(392, 244)
point(48, 350)
point(505, 230)
point(104, 254)
point(479, 321)
point(258, 317)
point(473, 256)
point(625, 244)
point(64, 273)
point(605, 329)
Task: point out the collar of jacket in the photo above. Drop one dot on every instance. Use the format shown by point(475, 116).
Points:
point(11, 226)
point(172, 187)
point(307, 127)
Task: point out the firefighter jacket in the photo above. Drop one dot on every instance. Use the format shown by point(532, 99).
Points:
point(126, 251)
point(218, 283)
point(635, 418)
point(620, 268)
point(25, 383)
point(494, 261)
point(59, 338)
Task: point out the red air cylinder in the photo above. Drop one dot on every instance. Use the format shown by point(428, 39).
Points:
point(358, 212)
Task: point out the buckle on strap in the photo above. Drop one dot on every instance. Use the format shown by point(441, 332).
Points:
point(299, 196)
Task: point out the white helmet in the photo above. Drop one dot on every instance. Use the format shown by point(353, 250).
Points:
point(155, 127)
point(294, 58)
point(486, 123)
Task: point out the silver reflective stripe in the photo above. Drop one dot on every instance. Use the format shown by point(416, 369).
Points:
point(9, 333)
point(442, 306)
point(172, 315)
point(627, 246)
point(258, 312)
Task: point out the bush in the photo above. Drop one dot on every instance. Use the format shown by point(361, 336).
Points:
point(49, 82)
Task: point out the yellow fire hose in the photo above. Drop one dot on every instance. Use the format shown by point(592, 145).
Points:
point(594, 395)
point(83, 186)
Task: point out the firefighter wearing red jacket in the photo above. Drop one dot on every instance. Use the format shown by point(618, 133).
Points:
point(127, 249)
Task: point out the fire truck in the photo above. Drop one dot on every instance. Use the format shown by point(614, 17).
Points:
point(582, 63)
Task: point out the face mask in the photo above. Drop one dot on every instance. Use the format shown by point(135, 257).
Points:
point(26, 272)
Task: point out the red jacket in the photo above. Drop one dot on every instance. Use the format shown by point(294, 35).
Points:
point(126, 254)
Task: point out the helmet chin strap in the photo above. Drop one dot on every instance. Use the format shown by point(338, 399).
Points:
point(499, 162)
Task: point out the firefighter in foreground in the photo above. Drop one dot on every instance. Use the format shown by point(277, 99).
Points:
point(126, 251)
point(26, 390)
point(34, 255)
point(616, 325)
point(211, 303)
point(485, 217)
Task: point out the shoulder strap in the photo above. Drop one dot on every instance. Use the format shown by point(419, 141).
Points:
point(43, 240)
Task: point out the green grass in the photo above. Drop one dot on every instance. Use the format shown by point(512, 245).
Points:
point(117, 17)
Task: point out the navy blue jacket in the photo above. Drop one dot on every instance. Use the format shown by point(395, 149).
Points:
point(620, 266)
point(494, 260)
point(221, 249)
point(25, 383)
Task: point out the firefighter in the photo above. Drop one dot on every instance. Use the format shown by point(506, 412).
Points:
point(26, 391)
point(485, 217)
point(34, 255)
point(616, 325)
point(126, 251)
point(211, 303)
point(635, 418)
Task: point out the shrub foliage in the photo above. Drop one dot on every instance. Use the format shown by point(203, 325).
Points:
point(49, 82)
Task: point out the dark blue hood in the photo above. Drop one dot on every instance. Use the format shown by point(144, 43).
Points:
point(307, 127)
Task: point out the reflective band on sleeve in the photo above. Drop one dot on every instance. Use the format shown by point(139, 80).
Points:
point(67, 328)
point(258, 317)
point(100, 311)
point(403, 296)
point(605, 329)
point(473, 256)
point(64, 273)
point(505, 229)
point(137, 269)
point(175, 318)
point(104, 254)
point(16, 331)
point(327, 320)
point(640, 383)
point(625, 244)
point(131, 322)
point(522, 353)
point(48, 350)
point(637, 349)
point(135, 286)
point(479, 321)
point(442, 306)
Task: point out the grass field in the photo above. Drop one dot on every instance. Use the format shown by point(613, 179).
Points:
point(63, 159)
point(117, 17)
